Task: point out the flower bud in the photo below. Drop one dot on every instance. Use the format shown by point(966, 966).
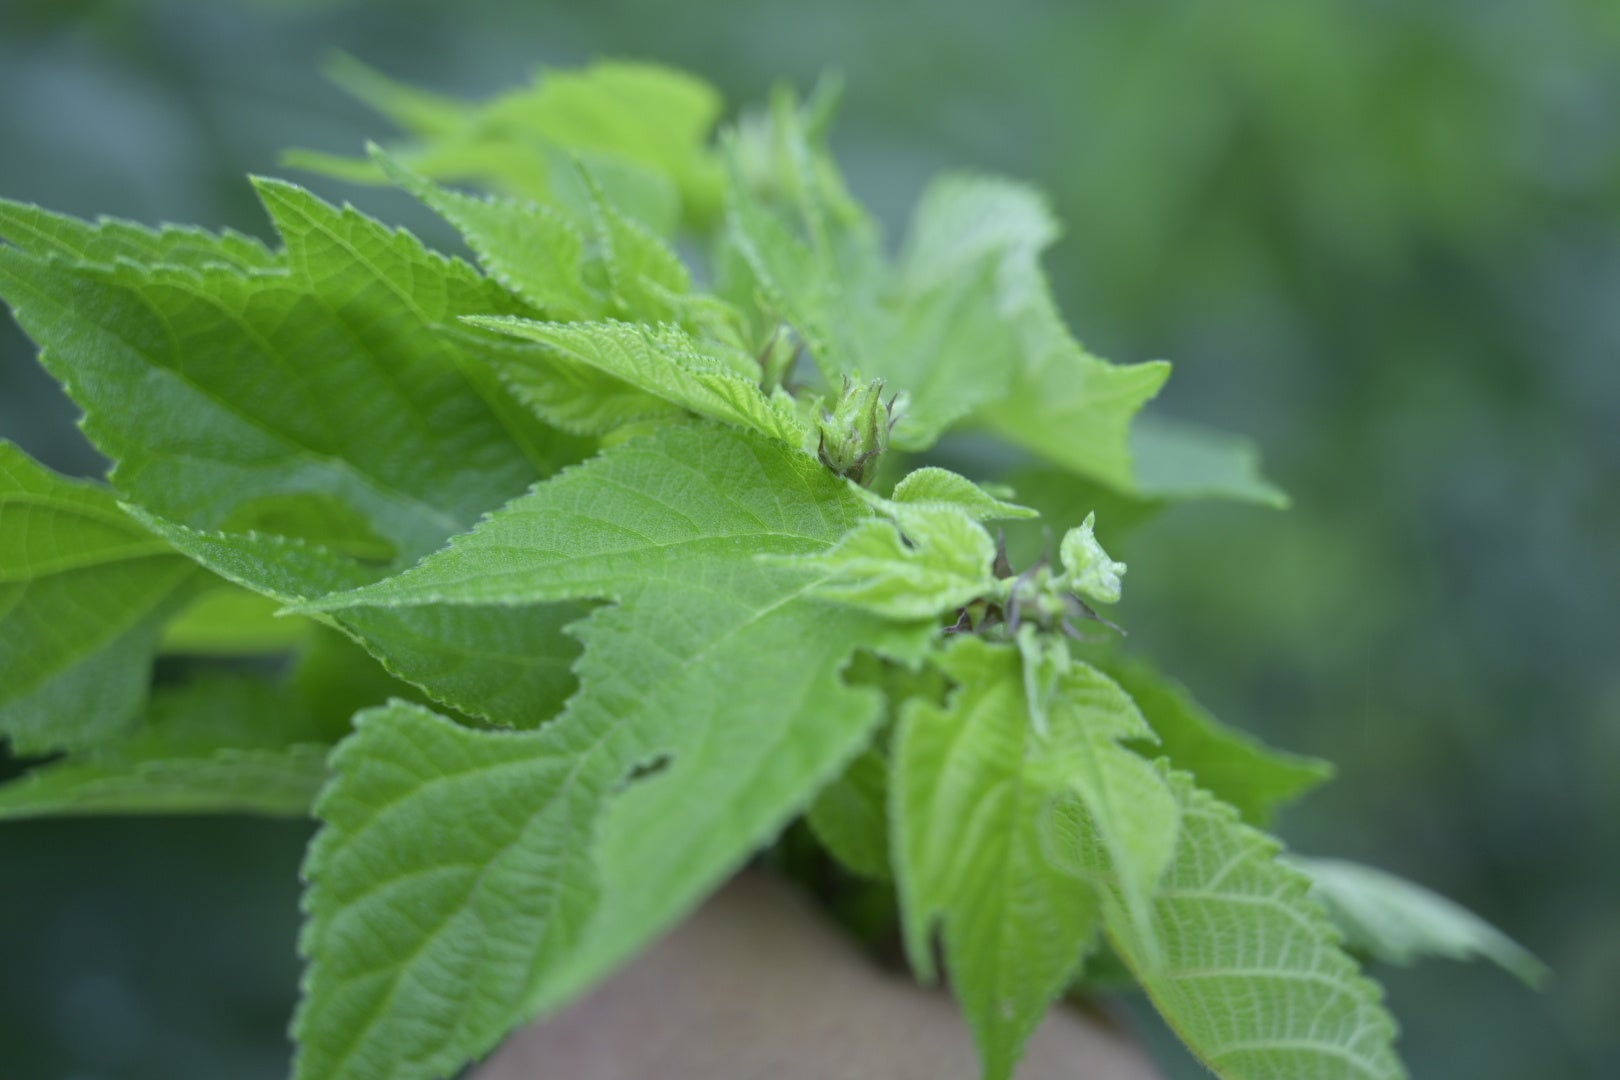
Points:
point(856, 432)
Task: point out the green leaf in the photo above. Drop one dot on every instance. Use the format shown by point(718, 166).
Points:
point(964, 323)
point(1056, 400)
point(510, 666)
point(205, 779)
point(231, 621)
point(1052, 397)
point(307, 429)
point(1399, 922)
point(1178, 460)
point(667, 363)
point(644, 275)
point(710, 710)
point(1074, 409)
point(929, 326)
point(109, 241)
point(969, 275)
point(850, 815)
point(1249, 971)
point(84, 592)
point(641, 127)
point(576, 266)
point(336, 392)
point(936, 559)
point(221, 745)
point(536, 251)
point(1131, 813)
point(630, 516)
point(506, 665)
point(1231, 765)
point(339, 678)
point(575, 262)
point(974, 796)
point(433, 893)
point(931, 486)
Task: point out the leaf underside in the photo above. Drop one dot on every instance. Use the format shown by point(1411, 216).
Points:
point(1250, 972)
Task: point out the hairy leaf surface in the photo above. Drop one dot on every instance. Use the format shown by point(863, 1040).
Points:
point(935, 559)
point(990, 813)
point(1250, 973)
point(668, 364)
point(333, 395)
point(931, 486)
point(308, 428)
point(710, 709)
point(973, 804)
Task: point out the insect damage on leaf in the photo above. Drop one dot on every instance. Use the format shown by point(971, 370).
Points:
point(668, 550)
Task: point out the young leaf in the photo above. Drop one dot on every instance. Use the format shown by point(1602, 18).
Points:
point(931, 486)
point(1231, 765)
point(84, 592)
point(710, 709)
point(576, 267)
point(643, 128)
point(973, 797)
point(221, 745)
point(576, 263)
point(1249, 971)
point(1058, 400)
point(1400, 922)
point(929, 326)
point(1074, 409)
point(667, 363)
point(969, 275)
point(965, 323)
point(1178, 460)
point(1130, 813)
point(537, 251)
point(935, 559)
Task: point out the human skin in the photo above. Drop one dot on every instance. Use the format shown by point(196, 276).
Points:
point(758, 986)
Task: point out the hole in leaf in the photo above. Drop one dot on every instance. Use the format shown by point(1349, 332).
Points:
point(651, 767)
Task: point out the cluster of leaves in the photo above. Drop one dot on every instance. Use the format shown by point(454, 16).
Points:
point(575, 554)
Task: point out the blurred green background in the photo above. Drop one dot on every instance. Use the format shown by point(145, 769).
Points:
point(1383, 237)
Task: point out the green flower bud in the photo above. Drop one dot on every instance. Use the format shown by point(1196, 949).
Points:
point(856, 432)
